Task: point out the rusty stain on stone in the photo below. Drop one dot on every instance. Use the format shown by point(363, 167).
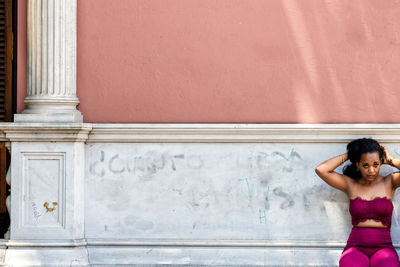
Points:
point(50, 209)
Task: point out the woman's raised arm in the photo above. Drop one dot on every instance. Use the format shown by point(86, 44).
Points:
point(392, 161)
point(326, 170)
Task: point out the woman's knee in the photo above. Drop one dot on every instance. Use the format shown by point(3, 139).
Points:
point(353, 257)
point(385, 257)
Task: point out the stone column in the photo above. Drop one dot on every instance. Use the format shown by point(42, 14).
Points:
point(48, 147)
point(51, 95)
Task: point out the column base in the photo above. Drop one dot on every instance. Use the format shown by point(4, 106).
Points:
point(74, 116)
point(50, 109)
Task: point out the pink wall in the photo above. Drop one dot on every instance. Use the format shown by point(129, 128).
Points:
point(237, 61)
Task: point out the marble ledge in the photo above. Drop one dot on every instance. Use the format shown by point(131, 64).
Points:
point(172, 243)
point(241, 133)
point(36, 132)
point(45, 243)
point(213, 243)
point(196, 133)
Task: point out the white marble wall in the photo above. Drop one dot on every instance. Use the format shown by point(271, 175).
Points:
point(178, 194)
point(212, 192)
point(2, 251)
point(257, 204)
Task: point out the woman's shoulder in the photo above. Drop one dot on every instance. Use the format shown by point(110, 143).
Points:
point(393, 179)
point(389, 177)
point(387, 182)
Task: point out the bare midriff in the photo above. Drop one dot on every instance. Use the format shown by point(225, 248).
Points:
point(371, 223)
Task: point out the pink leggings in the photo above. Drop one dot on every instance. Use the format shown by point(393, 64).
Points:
point(369, 247)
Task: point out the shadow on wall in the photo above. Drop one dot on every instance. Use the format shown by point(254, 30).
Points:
point(346, 52)
point(231, 61)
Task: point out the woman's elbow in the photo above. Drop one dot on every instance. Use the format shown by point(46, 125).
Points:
point(318, 170)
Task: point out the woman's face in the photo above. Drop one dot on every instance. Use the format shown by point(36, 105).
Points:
point(369, 165)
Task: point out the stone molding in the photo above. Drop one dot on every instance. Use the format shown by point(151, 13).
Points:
point(212, 256)
point(197, 133)
point(45, 243)
point(241, 133)
point(44, 132)
point(217, 243)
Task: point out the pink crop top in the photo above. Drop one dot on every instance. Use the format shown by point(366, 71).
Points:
point(379, 209)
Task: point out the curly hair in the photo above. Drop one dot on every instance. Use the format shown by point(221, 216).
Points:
point(355, 149)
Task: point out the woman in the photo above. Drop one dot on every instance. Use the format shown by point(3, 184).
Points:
point(371, 207)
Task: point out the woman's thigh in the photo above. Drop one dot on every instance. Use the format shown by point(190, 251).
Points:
point(353, 257)
point(385, 257)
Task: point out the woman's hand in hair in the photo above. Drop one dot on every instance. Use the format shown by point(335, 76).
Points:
point(392, 161)
point(387, 158)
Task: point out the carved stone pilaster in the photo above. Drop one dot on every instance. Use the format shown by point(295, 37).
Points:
point(47, 194)
point(51, 95)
